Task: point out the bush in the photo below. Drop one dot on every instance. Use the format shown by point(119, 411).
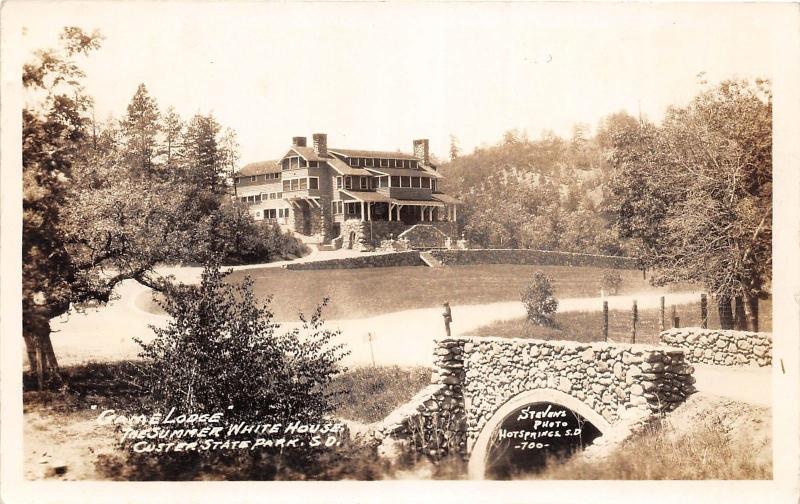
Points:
point(611, 281)
point(222, 352)
point(539, 301)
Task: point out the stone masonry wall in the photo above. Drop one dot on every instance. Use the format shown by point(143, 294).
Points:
point(475, 376)
point(369, 234)
point(410, 258)
point(721, 347)
point(539, 257)
point(609, 378)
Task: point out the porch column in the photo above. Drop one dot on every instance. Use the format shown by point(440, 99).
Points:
point(362, 210)
point(369, 212)
point(390, 211)
point(455, 214)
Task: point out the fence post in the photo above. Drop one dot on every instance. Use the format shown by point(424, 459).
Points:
point(605, 320)
point(448, 317)
point(703, 311)
point(674, 317)
point(661, 325)
point(634, 318)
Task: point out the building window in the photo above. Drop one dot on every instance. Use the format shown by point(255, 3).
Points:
point(348, 182)
point(426, 182)
point(415, 182)
point(395, 181)
point(303, 163)
point(364, 183)
point(405, 181)
point(385, 163)
point(353, 161)
point(303, 183)
point(286, 185)
point(243, 199)
point(414, 165)
point(295, 184)
point(313, 164)
point(369, 162)
point(351, 209)
point(265, 197)
point(433, 184)
point(280, 195)
point(313, 182)
point(338, 182)
point(252, 179)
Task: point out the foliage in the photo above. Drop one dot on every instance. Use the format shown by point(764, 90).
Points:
point(542, 194)
point(539, 300)
point(106, 202)
point(696, 192)
point(611, 281)
point(222, 352)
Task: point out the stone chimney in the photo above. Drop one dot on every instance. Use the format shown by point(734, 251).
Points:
point(321, 144)
point(421, 150)
point(298, 141)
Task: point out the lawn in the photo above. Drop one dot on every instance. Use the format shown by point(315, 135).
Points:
point(588, 326)
point(356, 293)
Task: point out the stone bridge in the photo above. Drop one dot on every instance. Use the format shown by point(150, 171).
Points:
point(510, 403)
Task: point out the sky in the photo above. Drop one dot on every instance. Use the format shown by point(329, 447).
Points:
point(379, 75)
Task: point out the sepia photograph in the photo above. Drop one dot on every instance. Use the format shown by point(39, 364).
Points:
point(399, 242)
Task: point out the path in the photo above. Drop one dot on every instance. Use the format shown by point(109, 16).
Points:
point(404, 338)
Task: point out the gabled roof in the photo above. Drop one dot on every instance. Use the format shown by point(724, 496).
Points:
point(373, 154)
point(258, 168)
point(307, 153)
point(344, 169)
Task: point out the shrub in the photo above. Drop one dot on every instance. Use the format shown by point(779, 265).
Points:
point(539, 301)
point(222, 352)
point(611, 281)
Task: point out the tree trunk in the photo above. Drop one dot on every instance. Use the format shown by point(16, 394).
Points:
point(739, 320)
point(41, 357)
point(751, 312)
point(725, 314)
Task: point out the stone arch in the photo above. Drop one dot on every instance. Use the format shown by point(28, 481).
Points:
point(480, 450)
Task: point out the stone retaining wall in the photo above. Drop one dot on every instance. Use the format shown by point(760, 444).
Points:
point(721, 347)
point(539, 257)
point(410, 258)
point(368, 235)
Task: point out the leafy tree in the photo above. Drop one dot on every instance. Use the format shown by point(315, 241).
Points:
point(222, 348)
point(53, 131)
point(539, 300)
point(697, 193)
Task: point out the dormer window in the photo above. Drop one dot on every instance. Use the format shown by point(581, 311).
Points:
point(348, 182)
point(413, 165)
point(353, 161)
point(364, 183)
point(384, 163)
point(369, 161)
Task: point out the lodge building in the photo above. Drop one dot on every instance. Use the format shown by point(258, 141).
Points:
point(319, 191)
